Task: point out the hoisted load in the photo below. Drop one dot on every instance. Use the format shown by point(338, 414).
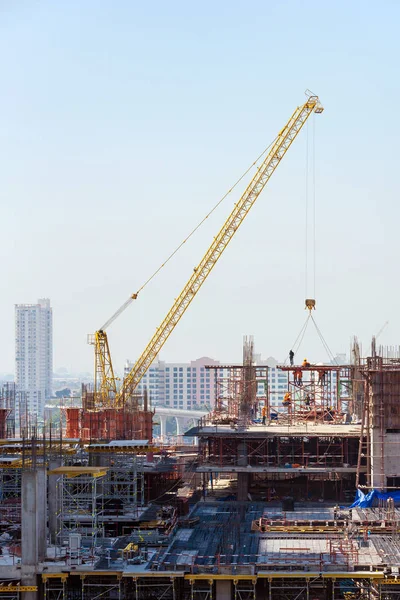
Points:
point(310, 304)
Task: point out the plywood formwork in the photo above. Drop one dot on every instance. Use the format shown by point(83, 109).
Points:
point(108, 424)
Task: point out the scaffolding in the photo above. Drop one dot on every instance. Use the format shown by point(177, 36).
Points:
point(7, 403)
point(166, 588)
point(244, 589)
point(55, 586)
point(104, 587)
point(284, 585)
point(124, 487)
point(380, 418)
point(12, 589)
point(316, 394)
point(80, 505)
point(236, 384)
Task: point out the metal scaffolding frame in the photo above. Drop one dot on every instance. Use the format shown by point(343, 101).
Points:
point(276, 450)
point(233, 383)
point(10, 494)
point(317, 393)
point(10, 483)
point(12, 589)
point(80, 504)
point(350, 589)
point(201, 590)
point(151, 587)
point(244, 589)
point(297, 589)
point(55, 588)
point(124, 482)
point(96, 587)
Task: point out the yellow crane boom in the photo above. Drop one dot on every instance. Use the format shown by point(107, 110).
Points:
point(279, 148)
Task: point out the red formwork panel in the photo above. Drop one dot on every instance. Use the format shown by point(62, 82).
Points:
point(108, 424)
point(73, 421)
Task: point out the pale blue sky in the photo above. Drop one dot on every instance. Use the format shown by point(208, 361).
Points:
point(124, 122)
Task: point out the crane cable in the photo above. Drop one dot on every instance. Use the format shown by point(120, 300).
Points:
point(295, 346)
point(135, 295)
point(306, 216)
point(310, 214)
point(300, 337)
point(313, 207)
point(324, 343)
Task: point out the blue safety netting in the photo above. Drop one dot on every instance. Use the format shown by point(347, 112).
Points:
point(371, 499)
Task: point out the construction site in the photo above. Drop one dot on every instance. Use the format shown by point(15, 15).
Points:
point(290, 502)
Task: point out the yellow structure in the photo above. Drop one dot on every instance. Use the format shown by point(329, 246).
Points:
point(106, 394)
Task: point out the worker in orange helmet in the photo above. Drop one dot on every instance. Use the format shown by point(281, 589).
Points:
point(264, 414)
point(287, 399)
point(305, 363)
point(299, 378)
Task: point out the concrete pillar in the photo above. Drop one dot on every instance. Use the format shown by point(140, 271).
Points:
point(29, 538)
point(178, 426)
point(378, 478)
point(41, 512)
point(223, 590)
point(163, 423)
point(242, 487)
point(53, 507)
point(242, 454)
point(242, 478)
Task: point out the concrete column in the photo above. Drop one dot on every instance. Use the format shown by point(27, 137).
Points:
point(242, 478)
point(223, 590)
point(29, 538)
point(178, 426)
point(53, 507)
point(41, 512)
point(242, 454)
point(163, 423)
point(242, 487)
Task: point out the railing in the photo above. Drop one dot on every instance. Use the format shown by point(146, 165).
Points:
point(289, 559)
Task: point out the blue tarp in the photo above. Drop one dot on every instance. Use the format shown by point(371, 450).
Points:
point(371, 499)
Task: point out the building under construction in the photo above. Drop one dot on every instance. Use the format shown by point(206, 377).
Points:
point(300, 504)
point(301, 507)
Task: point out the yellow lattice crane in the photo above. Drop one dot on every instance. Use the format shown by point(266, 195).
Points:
point(106, 394)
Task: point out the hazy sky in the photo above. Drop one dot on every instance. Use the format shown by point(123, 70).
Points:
point(124, 122)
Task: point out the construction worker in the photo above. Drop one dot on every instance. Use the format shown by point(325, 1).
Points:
point(299, 378)
point(264, 414)
point(291, 357)
point(329, 414)
point(305, 363)
point(287, 399)
point(307, 400)
point(321, 376)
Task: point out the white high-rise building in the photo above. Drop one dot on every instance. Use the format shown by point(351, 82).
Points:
point(179, 385)
point(34, 354)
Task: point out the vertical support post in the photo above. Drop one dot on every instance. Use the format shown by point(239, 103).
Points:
point(41, 508)
point(242, 478)
point(52, 501)
point(29, 533)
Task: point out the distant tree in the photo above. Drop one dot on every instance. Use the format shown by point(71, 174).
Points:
point(65, 393)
